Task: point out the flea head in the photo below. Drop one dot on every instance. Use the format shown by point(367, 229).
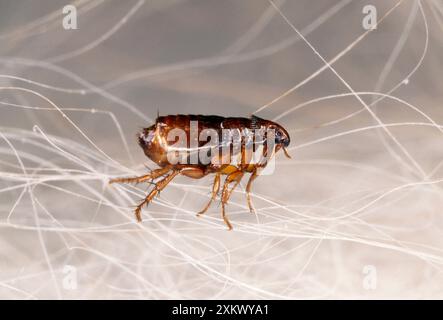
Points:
point(282, 136)
point(282, 139)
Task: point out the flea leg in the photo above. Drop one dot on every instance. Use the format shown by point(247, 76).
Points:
point(159, 186)
point(215, 189)
point(248, 190)
point(236, 179)
point(233, 177)
point(153, 175)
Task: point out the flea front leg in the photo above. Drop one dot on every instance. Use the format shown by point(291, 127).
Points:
point(151, 176)
point(226, 193)
point(248, 190)
point(215, 189)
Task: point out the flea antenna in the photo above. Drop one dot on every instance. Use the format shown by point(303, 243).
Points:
point(286, 153)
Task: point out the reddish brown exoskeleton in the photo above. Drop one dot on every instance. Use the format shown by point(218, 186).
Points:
point(158, 145)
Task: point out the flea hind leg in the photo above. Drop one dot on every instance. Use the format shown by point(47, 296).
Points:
point(159, 186)
point(226, 193)
point(151, 176)
point(215, 189)
point(248, 190)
